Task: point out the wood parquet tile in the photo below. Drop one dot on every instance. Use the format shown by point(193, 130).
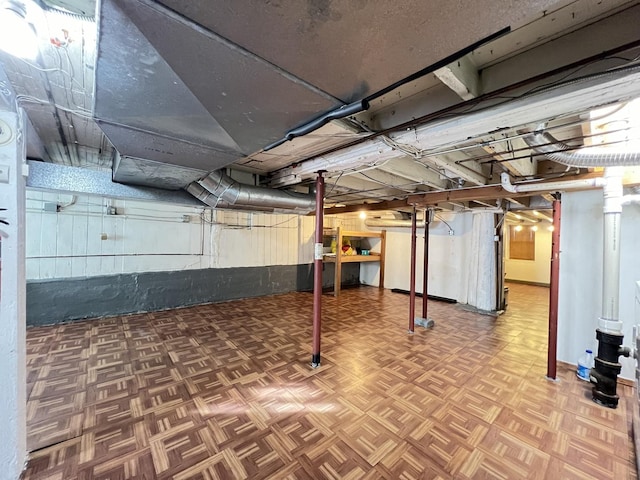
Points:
point(226, 391)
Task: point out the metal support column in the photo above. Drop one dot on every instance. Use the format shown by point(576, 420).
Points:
point(553, 290)
point(412, 281)
point(425, 321)
point(317, 272)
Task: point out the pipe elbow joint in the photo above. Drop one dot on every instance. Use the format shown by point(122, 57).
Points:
point(624, 352)
point(505, 180)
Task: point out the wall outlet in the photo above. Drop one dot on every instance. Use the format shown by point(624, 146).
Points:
point(110, 210)
point(450, 233)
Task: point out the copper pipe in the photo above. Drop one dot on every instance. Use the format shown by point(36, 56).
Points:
point(317, 272)
point(553, 291)
point(412, 282)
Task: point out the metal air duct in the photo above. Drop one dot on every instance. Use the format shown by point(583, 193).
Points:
point(220, 190)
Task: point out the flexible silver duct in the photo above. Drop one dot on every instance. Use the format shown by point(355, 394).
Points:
point(545, 143)
point(220, 190)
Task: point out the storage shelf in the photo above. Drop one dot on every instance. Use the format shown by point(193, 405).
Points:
point(372, 257)
point(339, 259)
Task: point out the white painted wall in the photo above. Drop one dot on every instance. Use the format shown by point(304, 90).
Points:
point(580, 301)
point(535, 271)
point(147, 237)
point(448, 258)
point(13, 446)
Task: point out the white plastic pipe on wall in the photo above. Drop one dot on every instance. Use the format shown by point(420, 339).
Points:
point(613, 202)
point(610, 321)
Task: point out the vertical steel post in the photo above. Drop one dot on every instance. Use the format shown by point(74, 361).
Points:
point(553, 290)
point(412, 282)
point(317, 272)
point(425, 272)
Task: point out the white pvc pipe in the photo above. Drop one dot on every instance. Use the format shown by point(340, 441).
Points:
point(610, 319)
point(630, 199)
point(558, 186)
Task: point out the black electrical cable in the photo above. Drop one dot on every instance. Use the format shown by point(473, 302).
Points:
point(363, 105)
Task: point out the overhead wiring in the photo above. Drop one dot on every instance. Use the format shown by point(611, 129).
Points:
point(30, 99)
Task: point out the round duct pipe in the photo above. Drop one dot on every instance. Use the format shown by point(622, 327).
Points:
point(224, 190)
point(546, 144)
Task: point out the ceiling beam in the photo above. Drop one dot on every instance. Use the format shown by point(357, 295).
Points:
point(523, 201)
point(521, 167)
point(387, 205)
point(527, 109)
point(407, 167)
point(462, 77)
point(484, 193)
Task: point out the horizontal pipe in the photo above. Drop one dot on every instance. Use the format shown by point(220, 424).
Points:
point(315, 124)
point(226, 191)
point(545, 143)
point(550, 186)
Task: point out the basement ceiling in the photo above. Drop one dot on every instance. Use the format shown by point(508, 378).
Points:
point(163, 92)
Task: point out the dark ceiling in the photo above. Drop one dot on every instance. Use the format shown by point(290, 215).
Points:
point(162, 93)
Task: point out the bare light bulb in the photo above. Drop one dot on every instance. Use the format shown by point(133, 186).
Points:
point(363, 215)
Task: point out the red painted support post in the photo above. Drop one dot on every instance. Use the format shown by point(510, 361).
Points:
point(317, 272)
point(412, 282)
point(425, 271)
point(553, 290)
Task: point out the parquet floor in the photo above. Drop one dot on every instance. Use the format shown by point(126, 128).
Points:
point(225, 391)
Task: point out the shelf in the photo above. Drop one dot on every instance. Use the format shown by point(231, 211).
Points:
point(338, 259)
point(351, 233)
point(372, 257)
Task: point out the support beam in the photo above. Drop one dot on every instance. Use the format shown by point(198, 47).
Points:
point(565, 99)
point(521, 167)
point(489, 192)
point(385, 179)
point(412, 280)
point(411, 169)
point(461, 195)
point(368, 207)
point(425, 321)
point(462, 77)
point(469, 171)
point(317, 273)
point(553, 291)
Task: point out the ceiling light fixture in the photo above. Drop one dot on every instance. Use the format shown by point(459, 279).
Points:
point(518, 228)
point(363, 215)
point(17, 36)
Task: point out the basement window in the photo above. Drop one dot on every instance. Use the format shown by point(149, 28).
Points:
point(522, 243)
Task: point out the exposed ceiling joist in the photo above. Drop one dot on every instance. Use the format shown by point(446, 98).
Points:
point(520, 167)
point(411, 169)
point(462, 77)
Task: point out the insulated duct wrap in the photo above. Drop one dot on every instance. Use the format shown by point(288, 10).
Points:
point(546, 144)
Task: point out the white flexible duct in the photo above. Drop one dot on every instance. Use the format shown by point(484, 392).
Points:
point(544, 143)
